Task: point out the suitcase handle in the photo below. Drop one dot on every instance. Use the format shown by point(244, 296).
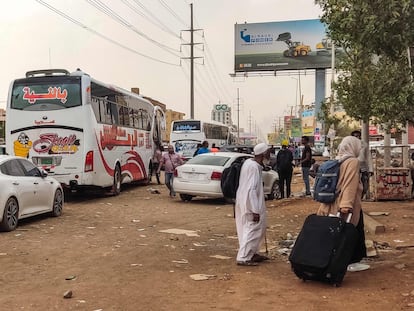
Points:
point(348, 218)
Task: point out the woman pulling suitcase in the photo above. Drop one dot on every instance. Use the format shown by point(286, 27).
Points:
point(327, 245)
point(349, 197)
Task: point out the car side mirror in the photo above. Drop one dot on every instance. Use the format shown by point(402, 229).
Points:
point(43, 173)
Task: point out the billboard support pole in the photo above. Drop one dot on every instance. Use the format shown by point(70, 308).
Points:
point(238, 116)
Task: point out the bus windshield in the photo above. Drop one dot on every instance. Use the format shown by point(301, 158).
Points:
point(46, 93)
point(186, 125)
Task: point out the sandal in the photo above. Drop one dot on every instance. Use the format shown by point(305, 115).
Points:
point(259, 258)
point(247, 263)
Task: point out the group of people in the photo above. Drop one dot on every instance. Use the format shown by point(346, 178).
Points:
point(250, 208)
point(285, 162)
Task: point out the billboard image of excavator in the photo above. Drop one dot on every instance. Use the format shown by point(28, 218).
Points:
point(295, 48)
point(325, 47)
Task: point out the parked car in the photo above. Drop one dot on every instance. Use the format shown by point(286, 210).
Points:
point(26, 190)
point(201, 176)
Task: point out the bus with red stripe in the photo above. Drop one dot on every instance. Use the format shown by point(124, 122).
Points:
point(83, 132)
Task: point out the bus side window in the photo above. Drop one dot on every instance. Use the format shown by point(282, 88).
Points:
point(114, 113)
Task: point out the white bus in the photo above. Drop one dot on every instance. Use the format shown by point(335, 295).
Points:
point(83, 132)
point(187, 134)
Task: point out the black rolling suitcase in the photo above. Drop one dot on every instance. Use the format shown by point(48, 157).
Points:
point(323, 249)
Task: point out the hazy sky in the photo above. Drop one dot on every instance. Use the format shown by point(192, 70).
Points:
point(34, 37)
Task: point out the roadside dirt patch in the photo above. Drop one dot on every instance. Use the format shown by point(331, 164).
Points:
point(110, 253)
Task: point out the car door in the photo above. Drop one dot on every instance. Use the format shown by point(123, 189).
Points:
point(20, 186)
point(42, 187)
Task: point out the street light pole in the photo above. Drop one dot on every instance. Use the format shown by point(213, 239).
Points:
point(296, 99)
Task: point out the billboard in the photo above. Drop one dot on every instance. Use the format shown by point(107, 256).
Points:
point(308, 122)
point(290, 45)
point(296, 127)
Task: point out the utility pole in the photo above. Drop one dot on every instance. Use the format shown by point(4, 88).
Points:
point(191, 58)
point(249, 121)
point(238, 116)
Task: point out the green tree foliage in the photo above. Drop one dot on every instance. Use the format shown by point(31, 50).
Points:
point(375, 81)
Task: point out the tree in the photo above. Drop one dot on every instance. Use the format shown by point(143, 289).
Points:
point(375, 81)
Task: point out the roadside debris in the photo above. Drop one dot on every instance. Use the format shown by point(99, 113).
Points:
point(154, 191)
point(68, 294)
point(181, 261)
point(70, 277)
point(189, 233)
point(220, 257)
point(378, 213)
point(202, 277)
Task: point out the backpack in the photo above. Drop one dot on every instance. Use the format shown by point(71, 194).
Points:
point(230, 180)
point(326, 181)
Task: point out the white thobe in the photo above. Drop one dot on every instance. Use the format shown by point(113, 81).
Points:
point(249, 200)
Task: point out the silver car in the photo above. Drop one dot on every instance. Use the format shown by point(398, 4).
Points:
point(201, 176)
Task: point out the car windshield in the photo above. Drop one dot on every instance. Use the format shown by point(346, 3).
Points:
point(209, 160)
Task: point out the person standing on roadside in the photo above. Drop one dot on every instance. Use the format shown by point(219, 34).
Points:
point(204, 148)
point(284, 164)
point(156, 159)
point(170, 160)
point(306, 162)
point(363, 164)
point(250, 208)
point(349, 197)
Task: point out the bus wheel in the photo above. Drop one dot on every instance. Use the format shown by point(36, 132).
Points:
point(116, 187)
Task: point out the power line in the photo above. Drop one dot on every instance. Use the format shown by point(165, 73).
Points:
point(76, 22)
point(165, 5)
point(112, 14)
point(158, 23)
point(221, 83)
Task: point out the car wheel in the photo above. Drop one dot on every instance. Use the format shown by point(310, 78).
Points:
point(186, 197)
point(275, 193)
point(57, 203)
point(10, 215)
point(116, 187)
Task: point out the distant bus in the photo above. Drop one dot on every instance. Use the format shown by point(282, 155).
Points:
point(187, 134)
point(82, 131)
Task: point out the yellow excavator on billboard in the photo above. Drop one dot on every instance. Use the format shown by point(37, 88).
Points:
point(325, 47)
point(295, 48)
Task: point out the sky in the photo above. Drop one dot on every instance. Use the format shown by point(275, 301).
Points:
point(141, 43)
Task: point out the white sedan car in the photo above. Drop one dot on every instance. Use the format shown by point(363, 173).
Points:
point(201, 176)
point(25, 191)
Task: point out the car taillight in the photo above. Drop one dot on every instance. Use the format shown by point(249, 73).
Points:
point(89, 161)
point(216, 176)
point(175, 173)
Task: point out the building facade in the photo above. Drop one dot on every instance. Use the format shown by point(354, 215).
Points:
point(221, 113)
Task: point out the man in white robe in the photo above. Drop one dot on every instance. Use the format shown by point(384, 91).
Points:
point(250, 208)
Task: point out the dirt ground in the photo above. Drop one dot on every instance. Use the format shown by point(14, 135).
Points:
point(110, 253)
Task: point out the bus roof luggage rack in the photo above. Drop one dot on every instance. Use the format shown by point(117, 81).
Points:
point(46, 72)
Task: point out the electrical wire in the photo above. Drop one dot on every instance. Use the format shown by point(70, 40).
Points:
point(165, 5)
point(158, 23)
point(76, 22)
point(112, 14)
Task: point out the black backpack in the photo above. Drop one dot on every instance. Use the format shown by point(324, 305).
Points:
point(230, 180)
point(326, 181)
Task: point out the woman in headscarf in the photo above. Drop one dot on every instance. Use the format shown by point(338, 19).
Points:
point(350, 189)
